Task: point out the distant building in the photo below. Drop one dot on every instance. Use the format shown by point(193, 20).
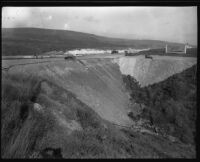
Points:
point(181, 49)
point(132, 50)
point(87, 51)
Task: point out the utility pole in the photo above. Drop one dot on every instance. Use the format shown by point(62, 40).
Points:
point(185, 50)
point(166, 48)
point(195, 73)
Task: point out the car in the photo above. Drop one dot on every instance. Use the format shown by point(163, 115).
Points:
point(114, 51)
point(148, 56)
point(70, 57)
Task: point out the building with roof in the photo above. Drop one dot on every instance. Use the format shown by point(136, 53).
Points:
point(179, 49)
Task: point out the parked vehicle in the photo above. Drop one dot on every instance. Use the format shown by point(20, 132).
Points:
point(148, 56)
point(70, 57)
point(114, 51)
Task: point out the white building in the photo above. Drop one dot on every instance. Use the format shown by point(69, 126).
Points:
point(182, 49)
point(132, 50)
point(87, 51)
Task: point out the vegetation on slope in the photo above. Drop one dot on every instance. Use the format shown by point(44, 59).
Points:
point(30, 41)
point(30, 133)
point(170, 104)
point(27, 132)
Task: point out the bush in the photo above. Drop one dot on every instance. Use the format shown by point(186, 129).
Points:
point(21, 127)
point(170, 102)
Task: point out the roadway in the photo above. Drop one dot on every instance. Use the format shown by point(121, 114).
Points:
point(13, 61)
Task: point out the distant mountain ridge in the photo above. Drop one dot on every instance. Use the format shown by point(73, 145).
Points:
point(29, 41)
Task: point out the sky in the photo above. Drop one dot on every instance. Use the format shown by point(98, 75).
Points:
point(176, 24)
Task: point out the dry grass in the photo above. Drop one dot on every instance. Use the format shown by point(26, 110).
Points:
point(26, 133)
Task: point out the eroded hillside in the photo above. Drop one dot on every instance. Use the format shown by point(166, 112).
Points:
point(149, 71)
point(76, 109)
point(98, 83)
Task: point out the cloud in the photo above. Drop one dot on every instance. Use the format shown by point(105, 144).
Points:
point(66, 26)
point(90, 19)
point(20, 13)
point(76, 17)
point(49, 17)
point(163, 23)
point(15, 16)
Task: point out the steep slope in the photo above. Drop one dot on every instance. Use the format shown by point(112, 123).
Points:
point(40, 119)
point(69, 109)
point(29, 41)
point(149, 71)
point(170, 104)
point(98, 83)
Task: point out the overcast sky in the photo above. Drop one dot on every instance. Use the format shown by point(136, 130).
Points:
point(177, 24)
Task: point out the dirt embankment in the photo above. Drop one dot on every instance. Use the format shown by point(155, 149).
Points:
point(64, 109)
point(96, 82)
point(99, 84)
point(149, 71)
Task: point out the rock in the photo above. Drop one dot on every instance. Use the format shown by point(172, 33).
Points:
point(171, 138)
point(37, 107)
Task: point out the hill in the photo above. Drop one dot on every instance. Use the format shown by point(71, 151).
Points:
point(73, 109)
point(28, 41)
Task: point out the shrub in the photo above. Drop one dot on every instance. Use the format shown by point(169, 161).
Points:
point(170, 102)
point(21, 127)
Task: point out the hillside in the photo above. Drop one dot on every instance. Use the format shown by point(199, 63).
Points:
point(28, 41)
point(150, 71)
point(81, 109)
point(169, 104)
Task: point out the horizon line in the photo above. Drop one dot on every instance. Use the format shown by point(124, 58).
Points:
point(98, 35)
